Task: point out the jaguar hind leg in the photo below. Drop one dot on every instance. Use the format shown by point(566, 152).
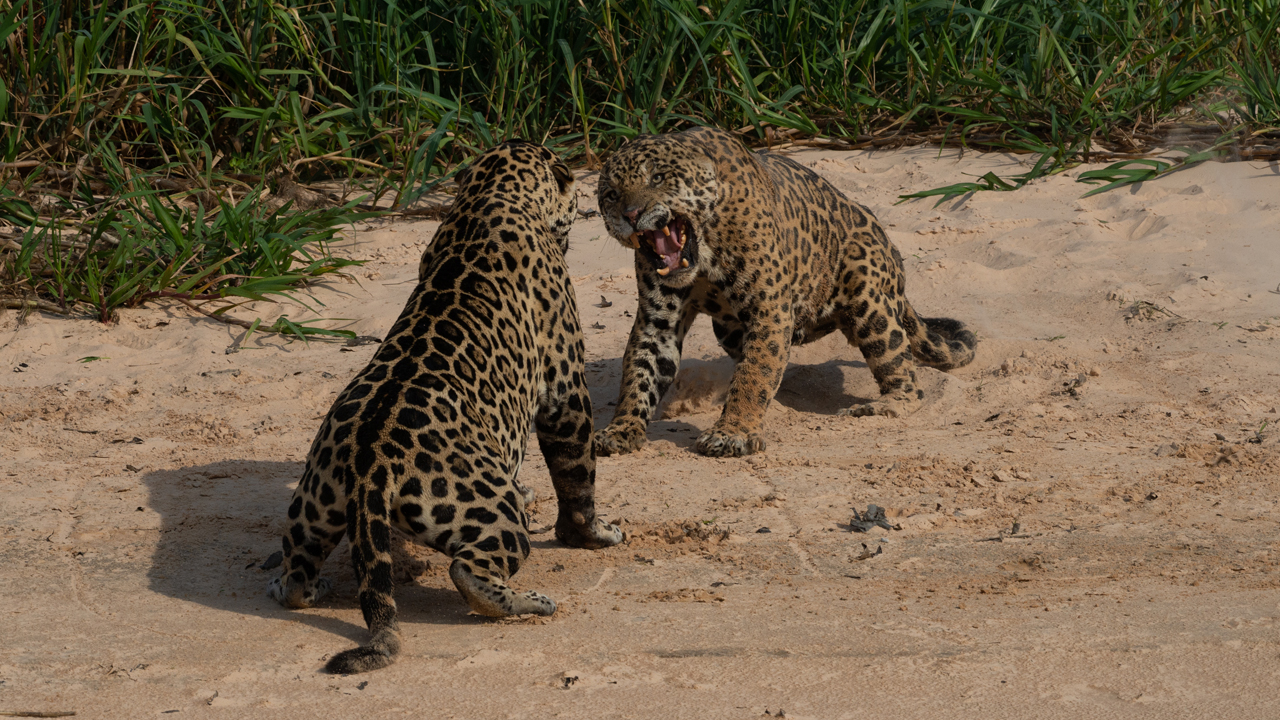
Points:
point(884, 346)
point(564, 435)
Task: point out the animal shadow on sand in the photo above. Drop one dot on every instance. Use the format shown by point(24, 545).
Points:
point(701, 386)
point(220, 522)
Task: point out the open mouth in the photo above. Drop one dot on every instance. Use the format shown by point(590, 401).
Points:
point(671, 245)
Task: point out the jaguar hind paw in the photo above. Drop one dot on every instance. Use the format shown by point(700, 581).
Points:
point(295, 595)
point(492, 597)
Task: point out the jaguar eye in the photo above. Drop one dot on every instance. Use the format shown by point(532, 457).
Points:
point(657, 179)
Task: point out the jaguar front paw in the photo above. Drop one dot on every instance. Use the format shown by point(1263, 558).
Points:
point(592, 536)
point(887, 407)
point(619, 439)
point(723, 443)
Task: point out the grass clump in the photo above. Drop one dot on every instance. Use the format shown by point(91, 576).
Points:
point(141, 121)
point(141, 245)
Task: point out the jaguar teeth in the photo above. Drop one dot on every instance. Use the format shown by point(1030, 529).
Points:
point(684, 263)
point(666, 230)
point(635, 241)
point(664, 271)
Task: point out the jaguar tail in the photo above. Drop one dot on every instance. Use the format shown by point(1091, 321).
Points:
point(941, 343)
point(370, 538)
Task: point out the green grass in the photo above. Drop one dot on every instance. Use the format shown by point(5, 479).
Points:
point(136, 138)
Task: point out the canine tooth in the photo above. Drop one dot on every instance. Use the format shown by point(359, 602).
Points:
point(684, 263)
point(664, 271)
point(666, 230)
point(635, 240)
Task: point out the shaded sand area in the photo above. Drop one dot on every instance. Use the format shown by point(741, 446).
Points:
point(1082, 523)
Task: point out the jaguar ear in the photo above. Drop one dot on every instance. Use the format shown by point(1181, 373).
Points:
point(564, 176)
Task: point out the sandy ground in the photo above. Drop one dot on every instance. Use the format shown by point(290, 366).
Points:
point(1083, 522)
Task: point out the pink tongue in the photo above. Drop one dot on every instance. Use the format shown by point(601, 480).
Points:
point(668, 247)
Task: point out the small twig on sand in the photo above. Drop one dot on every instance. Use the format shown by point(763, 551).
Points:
point(1002, 538)
point(220, 318)
point(36, 713)
point(13, 304)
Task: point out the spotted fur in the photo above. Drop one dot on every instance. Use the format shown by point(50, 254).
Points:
point(428, 439)
point(776, 256)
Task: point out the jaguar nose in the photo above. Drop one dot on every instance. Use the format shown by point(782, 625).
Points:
point(632, 213)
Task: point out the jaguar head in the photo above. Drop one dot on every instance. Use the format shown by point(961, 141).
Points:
point(658, 198)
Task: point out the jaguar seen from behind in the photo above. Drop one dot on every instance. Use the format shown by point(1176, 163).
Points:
point(429, 438)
